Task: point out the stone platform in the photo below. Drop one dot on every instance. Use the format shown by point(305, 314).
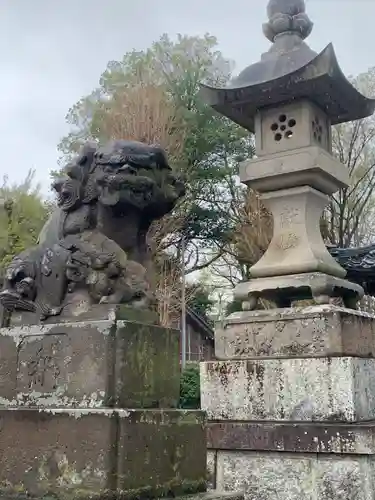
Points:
point(291, 404)
point(88, 410)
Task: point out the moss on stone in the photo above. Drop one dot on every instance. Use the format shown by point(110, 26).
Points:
point(144, 316)
point(148, 366)
point(173, 489)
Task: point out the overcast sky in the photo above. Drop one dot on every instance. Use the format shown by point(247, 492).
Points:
point(53, 52)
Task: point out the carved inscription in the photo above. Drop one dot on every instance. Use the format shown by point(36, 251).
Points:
point(280, 337)
point(288, 217)
point(40, 364)
point(287, 241)
point(43, 365)
point(251, 342)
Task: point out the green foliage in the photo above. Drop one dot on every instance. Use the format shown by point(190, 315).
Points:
point(199, 300)
point(179, 66)
point(233, 306)
point(22, 217)
point(190, 397)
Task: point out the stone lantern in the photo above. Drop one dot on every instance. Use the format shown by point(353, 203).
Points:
point(290, 399)
point(290, 99)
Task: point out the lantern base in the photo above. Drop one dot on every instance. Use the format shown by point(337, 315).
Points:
point(284, 290)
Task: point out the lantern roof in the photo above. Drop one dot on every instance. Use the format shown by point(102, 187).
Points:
point(289, 71)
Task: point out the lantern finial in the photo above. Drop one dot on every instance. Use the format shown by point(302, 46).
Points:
point(287, 16)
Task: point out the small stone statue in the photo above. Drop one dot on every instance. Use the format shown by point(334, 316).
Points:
point(93, 248)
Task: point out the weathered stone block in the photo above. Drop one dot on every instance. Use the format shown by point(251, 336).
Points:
point(285, 476)
point(147, 367)
point(162, 450)
point(83, 453)
point(57, 450)
point(302, 437)
point(322, 330)
point(59, 365)
point(265, 477)
point(297, 389)
point(90, 364)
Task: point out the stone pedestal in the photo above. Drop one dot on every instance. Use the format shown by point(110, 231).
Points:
point(88, 410)
point(284, 290)
point(291, 404)
point(297, 245)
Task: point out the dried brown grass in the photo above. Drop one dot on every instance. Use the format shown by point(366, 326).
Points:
point(254, 231)
point(144, 113)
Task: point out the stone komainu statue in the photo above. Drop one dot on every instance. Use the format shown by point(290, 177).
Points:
point(93, 248)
